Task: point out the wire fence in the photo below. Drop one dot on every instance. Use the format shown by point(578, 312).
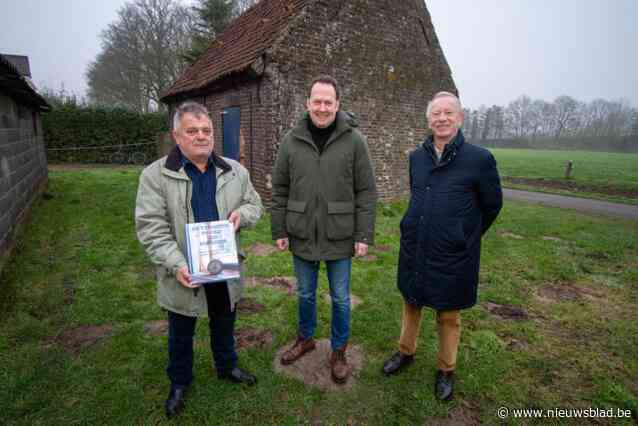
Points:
point(111, 154)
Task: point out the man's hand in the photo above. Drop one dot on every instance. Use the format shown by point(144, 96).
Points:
point(360, 249)
point(235, 219)
point(282, 244)
point(184, 277)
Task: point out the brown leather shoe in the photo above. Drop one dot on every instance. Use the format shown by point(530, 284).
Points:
point(300, 347)
point(339, 365)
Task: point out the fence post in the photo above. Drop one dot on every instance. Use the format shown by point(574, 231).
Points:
point(568, 169)
point(164, 143)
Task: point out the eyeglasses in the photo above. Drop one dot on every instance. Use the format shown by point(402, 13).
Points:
point(193, 131)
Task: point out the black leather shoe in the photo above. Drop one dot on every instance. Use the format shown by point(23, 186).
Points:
point(175, 402)
point(396, 362)
point(237, 375)
point(444, 385)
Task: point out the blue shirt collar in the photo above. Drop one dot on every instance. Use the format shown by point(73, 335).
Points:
point(185, 161)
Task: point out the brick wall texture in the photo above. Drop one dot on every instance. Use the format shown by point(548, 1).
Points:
point(388, 61)
point(23, 164)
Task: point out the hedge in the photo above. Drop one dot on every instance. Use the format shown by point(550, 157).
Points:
point(77, 134)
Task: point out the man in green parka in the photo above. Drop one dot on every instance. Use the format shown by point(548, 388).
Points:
point(324, 199)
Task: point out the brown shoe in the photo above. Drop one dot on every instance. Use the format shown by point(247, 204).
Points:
point(300, 347)
point(339, 365)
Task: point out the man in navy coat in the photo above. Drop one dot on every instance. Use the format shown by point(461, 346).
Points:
point(455, 197)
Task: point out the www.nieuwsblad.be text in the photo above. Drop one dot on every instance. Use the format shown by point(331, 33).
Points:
point(559, 413)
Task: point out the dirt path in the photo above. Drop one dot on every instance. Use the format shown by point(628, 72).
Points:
point(583, 205)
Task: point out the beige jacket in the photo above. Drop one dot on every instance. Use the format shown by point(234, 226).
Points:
point(163, 207)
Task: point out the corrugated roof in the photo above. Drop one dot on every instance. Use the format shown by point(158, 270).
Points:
point(19, 87)
point(243, 42)
point(21, 63)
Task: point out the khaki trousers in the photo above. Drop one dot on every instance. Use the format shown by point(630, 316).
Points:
point(449, 329)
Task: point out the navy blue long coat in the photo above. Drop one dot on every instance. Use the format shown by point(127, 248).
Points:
point(453, 202)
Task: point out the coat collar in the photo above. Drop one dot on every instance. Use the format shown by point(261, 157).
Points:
point(450, 150)
point(174, 161)
point(345, 123)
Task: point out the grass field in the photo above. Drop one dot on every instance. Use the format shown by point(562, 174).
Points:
point(555, 325)
point(595, 174)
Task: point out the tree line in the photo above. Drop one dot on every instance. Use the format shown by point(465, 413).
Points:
point(150, 44)
point(530, 118)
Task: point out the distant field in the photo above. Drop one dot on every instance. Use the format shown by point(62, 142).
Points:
point(599, 174)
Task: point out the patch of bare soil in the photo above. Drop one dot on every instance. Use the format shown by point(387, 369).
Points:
point(548, 238)
point(507, 234)
point(507, 312)
point(561, 292)
point(259, 249)
point(314, 367)
point(249, 337)
point(383, 248)
point(574, 186)
point(248, 305)
point(464, 414)
point(513, 344)
point(367, 258)
point(287, 284)
point(354, 300)
point(156, 328)
point(78, 339)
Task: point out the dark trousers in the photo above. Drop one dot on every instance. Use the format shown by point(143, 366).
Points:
point(181, 330)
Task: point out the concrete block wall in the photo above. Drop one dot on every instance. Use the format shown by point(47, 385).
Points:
point(23, 165)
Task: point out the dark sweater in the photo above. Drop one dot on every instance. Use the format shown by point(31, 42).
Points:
point(320, 136)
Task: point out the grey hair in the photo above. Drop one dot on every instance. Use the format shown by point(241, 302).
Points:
point(188, 107)
point(456, 99)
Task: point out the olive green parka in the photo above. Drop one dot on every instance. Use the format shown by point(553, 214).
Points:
point(324, 202)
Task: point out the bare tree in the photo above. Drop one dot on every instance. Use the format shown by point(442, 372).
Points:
point(565, 115)
point(634, 124)
point(467, 121)
point(499, 121)
point(518, 115)
point(141, 54)
point(475, 127)
point(540, 115)
point(483, 121)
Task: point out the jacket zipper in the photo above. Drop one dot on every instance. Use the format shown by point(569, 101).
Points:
point(188, 220)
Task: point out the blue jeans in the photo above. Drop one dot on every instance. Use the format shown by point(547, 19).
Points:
point(339, 279)
point(181, 330)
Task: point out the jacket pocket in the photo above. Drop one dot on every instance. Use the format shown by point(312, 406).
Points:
point(451, 238)
point(340, 225)
point(297, 219)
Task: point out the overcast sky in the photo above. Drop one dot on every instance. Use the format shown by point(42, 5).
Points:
point(497, 49)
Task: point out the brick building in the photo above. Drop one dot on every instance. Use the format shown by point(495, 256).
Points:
point(254, 78)
point(23, 162)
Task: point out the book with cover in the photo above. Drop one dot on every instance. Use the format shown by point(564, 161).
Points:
point(212, 251)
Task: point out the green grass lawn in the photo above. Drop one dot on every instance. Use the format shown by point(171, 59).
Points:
point(593, 172)
point(79, 263)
